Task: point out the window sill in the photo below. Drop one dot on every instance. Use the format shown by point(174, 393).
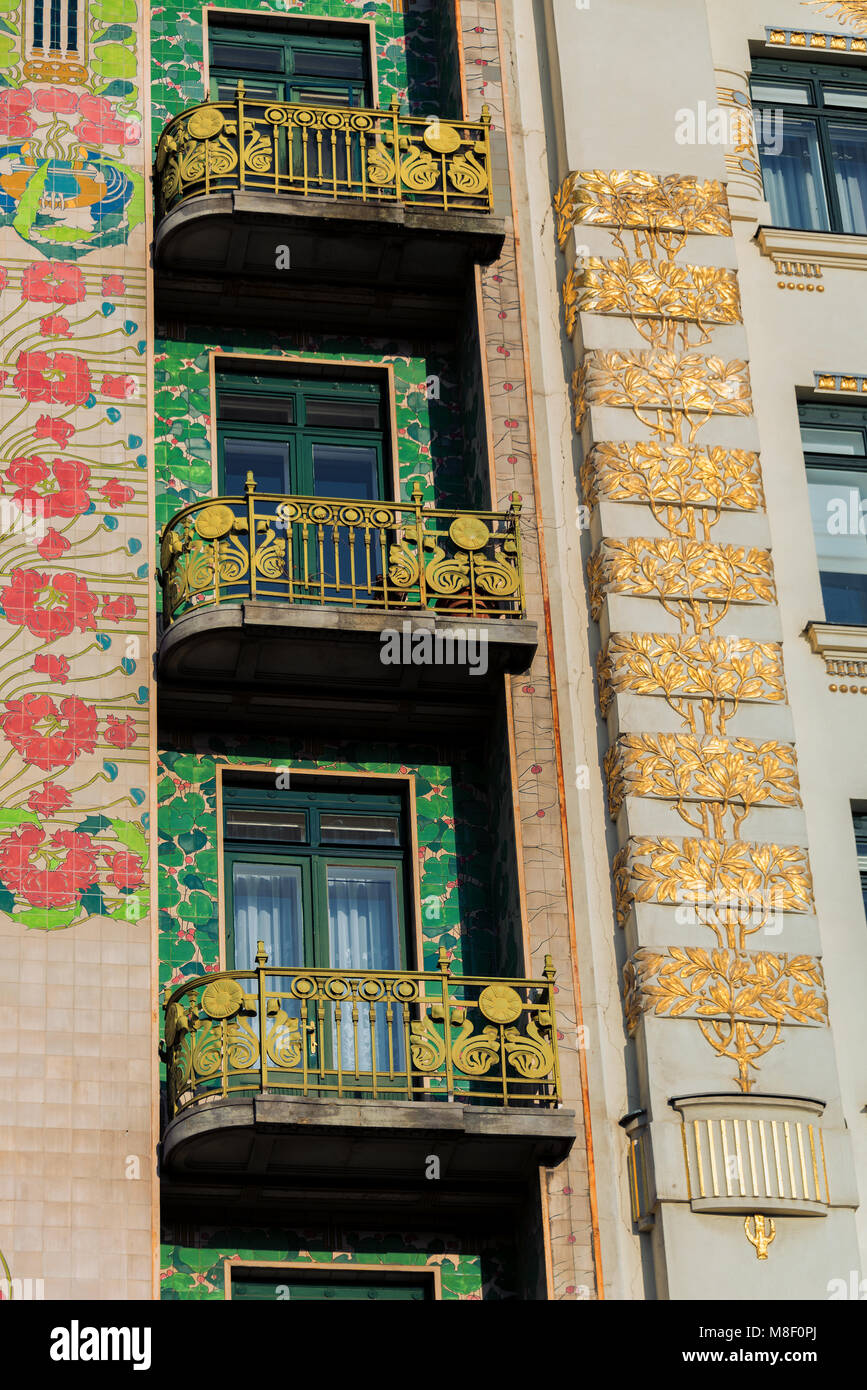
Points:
point(843, 648)
point(822, 248)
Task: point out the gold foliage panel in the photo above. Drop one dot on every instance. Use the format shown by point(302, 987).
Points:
point(680, 570)
point(669, 871)
point(643, 289)
point(688, 383)
point(728, 669)
point(705, 777)
point(635, 200)
point(672, 475)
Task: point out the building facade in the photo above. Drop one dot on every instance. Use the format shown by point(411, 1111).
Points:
point(433, 470)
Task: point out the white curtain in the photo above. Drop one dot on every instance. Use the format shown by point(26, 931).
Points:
point(364, 934)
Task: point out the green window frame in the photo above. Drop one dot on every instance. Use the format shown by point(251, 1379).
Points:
point(308, 854)
point(325, 69)
point(322, 418)
point(817, 179)
point(320, 1285)
point(834, 440)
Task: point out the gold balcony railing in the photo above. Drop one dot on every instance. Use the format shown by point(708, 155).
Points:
point(264, 146)
point(362, 1034)
point(367, 555)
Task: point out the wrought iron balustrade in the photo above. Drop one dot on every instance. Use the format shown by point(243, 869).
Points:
point(263, 146)
point(362, 555)
point(362, 1034)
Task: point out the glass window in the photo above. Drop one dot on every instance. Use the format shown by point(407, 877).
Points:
point(301, 438)
point(835, 453)
point(814, 162)
point(313, 69)
point(319, 1286)
point(859, 820)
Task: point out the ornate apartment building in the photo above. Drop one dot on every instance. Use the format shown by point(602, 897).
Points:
point(433, 559)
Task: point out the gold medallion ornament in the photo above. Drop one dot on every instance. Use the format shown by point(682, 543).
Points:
point(500, 1003)
point(205, 123)
point(469, 532)
point(214, 522)
point(222, 998)
point(444, 139)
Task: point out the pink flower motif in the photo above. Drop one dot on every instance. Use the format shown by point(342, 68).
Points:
point(118, 609)
point(186, 933)
point(4, 278)
point(100, 125)
point(120, 733)
point(55, 326)
point(112, 285)
point(53, 282)
point(50, 799)
point(70, 498)
point(58, 378)
point(116, 495)
point(52, 545)
point(56, 99)
point(118, 387)
point(49, 427)
point(15, 124)
point(56, 668)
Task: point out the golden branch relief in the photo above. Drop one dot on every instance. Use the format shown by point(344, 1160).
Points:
point(720, 670)
point(714, 878)
point(643, 289)
point(852, 12)
point(694, 574)
point(741, 999)
point(688, 384)
point(635, 200)
point(707, 778)
point(673, 475)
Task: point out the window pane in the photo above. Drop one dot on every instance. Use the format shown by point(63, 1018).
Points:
point(792, 177)
point(849, 148)
point(338, 829)
point(832, 439)
point(790, 94)
point(838, 504)
point(253, 57)
point(268, 462)
point(345, 470)
point(845, 96)
point(249, 824)
point(256, 409)
point(226, 89)
point(364, 934)
point(311, 94)
point(267, 901)
point(322, 64)
point(342, 414)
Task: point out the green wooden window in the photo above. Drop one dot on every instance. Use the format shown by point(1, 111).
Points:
point(313, 69)
point(320, 877)
point(319, 1286)
point(835, 453)
point(811, 130)
point(301, 437)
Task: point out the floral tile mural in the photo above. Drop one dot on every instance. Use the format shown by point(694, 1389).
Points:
point(74, 559)
point(453, 839)
point(469, 1270)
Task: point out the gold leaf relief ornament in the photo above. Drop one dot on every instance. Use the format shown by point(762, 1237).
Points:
point(741, 1000)
point(635, 200)
point(419, 170)
point(719, 672)
point(737, 876)
point(683, 575)
point(466, 174)
point(662, 475)
point(531, 1053)
point(666, 289)
point(852, 12)
point(427, 1048)
point(689, 384)
point(707, 779)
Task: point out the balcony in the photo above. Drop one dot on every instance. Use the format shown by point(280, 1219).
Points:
point(272, 204)
point(312, 595)
point(295, 1073)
